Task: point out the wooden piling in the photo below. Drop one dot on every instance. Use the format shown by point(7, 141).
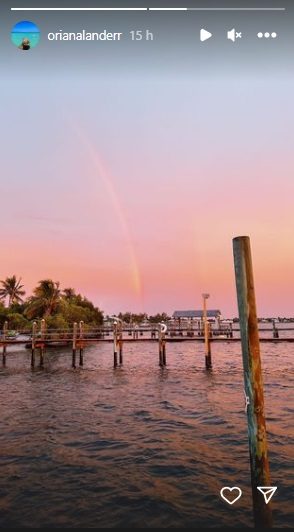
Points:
point(81, 335)
point(206, 325)
point(275, 330)
point(260, 473)
point(120, 344)
point(208, 361)
point(162, 344)
point(74, 344)
point(42, 344)
point(4, 335)
point(34, 334)
point(164, 351)
point(115, 344)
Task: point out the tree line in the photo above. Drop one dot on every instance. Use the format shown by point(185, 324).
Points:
point(132, 318)
point(60, 308)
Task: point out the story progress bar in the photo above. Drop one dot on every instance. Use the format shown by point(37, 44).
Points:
point(148, 9)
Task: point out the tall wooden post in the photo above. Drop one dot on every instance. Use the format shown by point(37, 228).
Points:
point(74, 344)
point(208, 361)
point(275, 330)
point(163, 349)
point(135, 332)
point(42, 344)
point(5, 328)
point(120, 343)
point(115, 344)
point(162, 328)
point(34, 335)
point(260, 474)
point(160, 346)
point(81, 335)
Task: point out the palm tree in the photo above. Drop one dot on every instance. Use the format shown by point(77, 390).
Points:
point(45, 299)
point(69, 294)
point(12, 289)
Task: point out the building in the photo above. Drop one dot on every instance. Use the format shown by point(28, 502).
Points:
point(197, 315)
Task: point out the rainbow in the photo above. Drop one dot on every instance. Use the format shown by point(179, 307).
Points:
point(108, 182)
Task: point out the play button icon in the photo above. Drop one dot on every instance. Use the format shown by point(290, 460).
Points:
point(205, 35)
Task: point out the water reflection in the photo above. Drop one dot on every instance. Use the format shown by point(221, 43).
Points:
point(141, 445)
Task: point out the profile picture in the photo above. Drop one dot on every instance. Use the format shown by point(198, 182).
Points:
point(25, 35)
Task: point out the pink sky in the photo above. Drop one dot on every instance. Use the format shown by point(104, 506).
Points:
point(136, 205)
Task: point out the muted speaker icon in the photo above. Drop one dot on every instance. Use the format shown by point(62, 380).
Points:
point(232, 35)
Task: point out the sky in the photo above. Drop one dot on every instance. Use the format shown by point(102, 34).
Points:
point(130, 185)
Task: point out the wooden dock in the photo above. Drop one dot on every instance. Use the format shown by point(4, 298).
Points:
point(64, 343)
point(40, 339)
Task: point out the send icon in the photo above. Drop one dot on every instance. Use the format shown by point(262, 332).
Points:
point(267, 492)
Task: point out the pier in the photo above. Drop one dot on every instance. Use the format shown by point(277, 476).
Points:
point(62, 337)
point(39, 339)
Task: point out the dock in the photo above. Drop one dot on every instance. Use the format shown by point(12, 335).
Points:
point(40, 339)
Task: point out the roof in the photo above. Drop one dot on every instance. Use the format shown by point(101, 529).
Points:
point(195, 313)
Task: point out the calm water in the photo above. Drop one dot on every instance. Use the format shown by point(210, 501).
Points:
point(140, 446)
point(18, 36)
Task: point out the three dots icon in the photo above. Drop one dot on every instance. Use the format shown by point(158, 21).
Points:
point(267, 35)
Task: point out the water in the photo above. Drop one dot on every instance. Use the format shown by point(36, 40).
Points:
point(18, 36)
point(139, 446)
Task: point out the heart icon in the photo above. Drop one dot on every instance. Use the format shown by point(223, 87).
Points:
point(232, 494)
